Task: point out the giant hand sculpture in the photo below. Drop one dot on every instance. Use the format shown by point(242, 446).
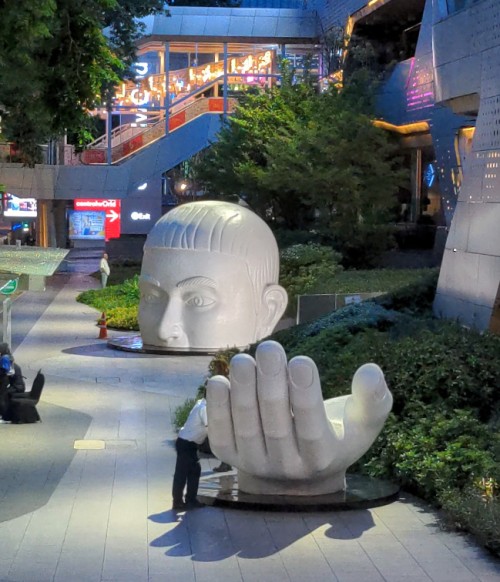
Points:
point(269, 421)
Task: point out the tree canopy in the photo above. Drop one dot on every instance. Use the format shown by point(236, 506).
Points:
point(56, 63)
point(303, 159)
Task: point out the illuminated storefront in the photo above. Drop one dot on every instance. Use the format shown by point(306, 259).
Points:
point(150, 88)
point(177, 82)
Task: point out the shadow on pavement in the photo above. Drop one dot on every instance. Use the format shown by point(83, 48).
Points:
point(211, 534)
point(101, 350)
point(35, 457)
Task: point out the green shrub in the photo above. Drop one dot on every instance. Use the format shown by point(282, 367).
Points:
point(415, 297)
point(476, 509)
point(380, 280)
point(120, 303)
point(130, 290)
point(287, 238)
point(181, 413)
point(333, 327)
point(123, 318)
point(219, 365)
point(124, 295)
point(431, 451)
point(449, 365)
point(102, 299)
point(304, 268)
point(438, 363)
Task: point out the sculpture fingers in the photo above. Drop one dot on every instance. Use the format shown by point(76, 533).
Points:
point(247, 423)
point(367, 408)
point(275, 410)
point(220, 422)
point(315, 435)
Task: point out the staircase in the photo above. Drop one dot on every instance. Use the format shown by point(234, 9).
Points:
point(128, 139)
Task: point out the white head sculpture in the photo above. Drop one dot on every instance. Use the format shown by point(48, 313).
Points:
point(209, 279)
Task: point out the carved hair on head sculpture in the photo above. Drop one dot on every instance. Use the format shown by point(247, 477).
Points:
point(209, 279)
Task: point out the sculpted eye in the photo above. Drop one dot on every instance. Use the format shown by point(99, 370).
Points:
point(150, 297)
point(199, 301)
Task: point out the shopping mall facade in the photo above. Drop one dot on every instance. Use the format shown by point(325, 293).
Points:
point(441, 95)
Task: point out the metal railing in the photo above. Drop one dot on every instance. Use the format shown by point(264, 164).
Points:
point(201, 106)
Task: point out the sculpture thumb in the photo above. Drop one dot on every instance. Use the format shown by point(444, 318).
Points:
point(371, 398)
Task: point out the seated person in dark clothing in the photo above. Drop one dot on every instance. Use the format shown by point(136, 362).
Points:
point(16, 378)
point(11, 379)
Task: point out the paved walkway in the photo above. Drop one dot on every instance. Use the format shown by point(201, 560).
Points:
point(102, 515)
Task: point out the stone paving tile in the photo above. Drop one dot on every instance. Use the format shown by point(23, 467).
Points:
point(346, 557)
point(298, 550)
point(256, 551)
point(35, 563)
point(80, 565)
point(391, 559)
point(362, 523)
point(124, 561)
point(212, 548)
point(164, 570)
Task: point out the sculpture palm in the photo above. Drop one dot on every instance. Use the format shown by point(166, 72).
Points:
point(271, 423)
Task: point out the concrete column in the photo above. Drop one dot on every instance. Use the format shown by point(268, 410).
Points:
point(7, 320)
point(60, 223)
point(42, 230)
point(166, 60)
point(216, 87)
point(225, 79)
point(45, 224)
point(109, 128)
point(416, 184)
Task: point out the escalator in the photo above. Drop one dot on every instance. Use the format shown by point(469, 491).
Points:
point(129, 138)
point(146, 155)
point(138, 155)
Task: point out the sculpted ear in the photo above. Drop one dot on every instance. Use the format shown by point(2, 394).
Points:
point(274, 302)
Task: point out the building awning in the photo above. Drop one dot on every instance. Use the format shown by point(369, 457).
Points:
point(27, 260)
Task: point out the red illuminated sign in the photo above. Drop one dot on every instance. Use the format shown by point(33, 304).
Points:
point(112, 208)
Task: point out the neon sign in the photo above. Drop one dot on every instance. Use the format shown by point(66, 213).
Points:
point(110, 207)
point(429, 176)
point(15, 207)
point(151, 90)
point(140, 216)
point(141, 69)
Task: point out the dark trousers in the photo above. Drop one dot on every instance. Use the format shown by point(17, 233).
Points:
point(4, 398)
point(187, 471)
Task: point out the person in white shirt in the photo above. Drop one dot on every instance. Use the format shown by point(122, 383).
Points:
point(187, 467)
point(105, 270)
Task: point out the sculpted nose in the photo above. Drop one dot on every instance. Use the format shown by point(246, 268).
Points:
point(170, 327)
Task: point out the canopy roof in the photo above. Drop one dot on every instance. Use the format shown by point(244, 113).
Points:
point(30, 260)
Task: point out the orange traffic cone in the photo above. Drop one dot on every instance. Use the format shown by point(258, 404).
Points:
point(103, 328)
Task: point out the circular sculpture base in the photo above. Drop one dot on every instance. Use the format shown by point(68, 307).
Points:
point(362, 492)
point(133, 343)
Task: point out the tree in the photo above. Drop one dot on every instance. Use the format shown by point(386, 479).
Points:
point(235, 166)
point(56, 64)
point(346, 169)
point(293, 154)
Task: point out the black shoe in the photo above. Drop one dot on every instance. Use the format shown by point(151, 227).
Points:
point(194, 504)
point(222, 468)
point(179, 506)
